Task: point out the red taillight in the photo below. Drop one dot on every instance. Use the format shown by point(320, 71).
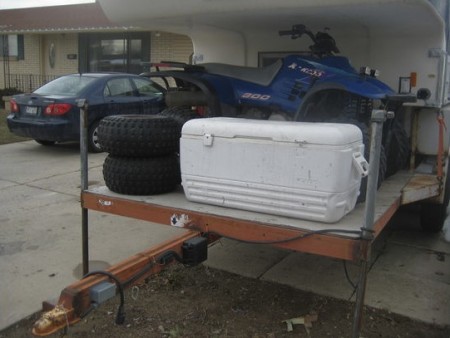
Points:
point(14, 106)
point(57, 109)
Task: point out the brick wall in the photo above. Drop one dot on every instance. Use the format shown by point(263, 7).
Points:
point(64, 44)
point(31, 64)
point(170, 47)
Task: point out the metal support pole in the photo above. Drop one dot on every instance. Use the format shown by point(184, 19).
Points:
point(378, 118)
point(83, 105)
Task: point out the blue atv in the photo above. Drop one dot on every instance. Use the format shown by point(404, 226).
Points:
point(313, 87)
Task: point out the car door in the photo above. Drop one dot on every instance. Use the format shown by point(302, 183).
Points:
point(121, 98)
point(151, 94)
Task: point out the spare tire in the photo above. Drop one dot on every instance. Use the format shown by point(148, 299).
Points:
point(141, 176)
point(138, 135)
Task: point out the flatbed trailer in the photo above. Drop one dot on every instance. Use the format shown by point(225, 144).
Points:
point(350, 239)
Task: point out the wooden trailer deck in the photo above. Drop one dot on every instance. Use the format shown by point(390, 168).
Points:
point(338, 240)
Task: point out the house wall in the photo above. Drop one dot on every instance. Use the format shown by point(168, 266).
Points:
point(64, 44)
point(170, 47)
point(164, 46)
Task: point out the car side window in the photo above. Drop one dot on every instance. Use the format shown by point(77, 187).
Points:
point(146, 87)
point(118, 87)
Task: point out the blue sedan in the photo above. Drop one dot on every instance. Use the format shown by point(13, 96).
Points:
point(50, 114)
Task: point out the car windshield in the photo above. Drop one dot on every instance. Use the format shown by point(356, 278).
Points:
point(66, 85)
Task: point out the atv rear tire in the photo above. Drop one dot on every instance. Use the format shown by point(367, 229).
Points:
point(398, 150)
point(141, 176)
point(138, 135)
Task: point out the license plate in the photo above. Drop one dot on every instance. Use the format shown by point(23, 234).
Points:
point(31, 110)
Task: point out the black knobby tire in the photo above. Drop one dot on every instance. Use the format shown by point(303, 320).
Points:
point(366, 140)
point(181, 114)
point(398, 149)
point(138, 135)
point(141, 176)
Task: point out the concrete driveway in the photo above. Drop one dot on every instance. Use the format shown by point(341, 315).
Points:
point(40, 245)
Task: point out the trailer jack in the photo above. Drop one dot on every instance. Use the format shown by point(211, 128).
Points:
point(79, 298)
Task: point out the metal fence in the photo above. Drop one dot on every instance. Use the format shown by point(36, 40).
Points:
point(28, 82)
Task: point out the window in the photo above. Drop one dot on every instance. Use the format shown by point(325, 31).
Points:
point(114, 52)
point(118, 87)
point(12, 46)
point(147, 88)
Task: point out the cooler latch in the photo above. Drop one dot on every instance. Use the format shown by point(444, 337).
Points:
point(361, 164)
point(208, 140)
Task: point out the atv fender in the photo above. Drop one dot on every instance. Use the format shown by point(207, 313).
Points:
point(209, 96)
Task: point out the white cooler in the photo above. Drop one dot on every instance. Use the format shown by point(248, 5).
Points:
point(303, 170)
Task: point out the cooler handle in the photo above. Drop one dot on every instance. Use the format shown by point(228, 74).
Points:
point(361, 164)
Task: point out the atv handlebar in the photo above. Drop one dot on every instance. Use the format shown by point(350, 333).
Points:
point(323, 43)
point(297, 31)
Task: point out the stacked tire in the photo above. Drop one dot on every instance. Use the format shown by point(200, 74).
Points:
point(142, 154)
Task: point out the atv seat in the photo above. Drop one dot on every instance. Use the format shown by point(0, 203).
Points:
point(261, 76)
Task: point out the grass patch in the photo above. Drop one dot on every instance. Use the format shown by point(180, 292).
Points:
point(5, 135)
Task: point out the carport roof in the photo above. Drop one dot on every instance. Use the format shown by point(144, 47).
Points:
point(56, 19)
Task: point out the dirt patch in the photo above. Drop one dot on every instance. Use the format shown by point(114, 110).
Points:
point(204, 302)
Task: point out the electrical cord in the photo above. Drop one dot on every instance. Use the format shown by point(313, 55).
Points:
point(348, 276)
point(120, 317)
point(141, 273)
point(355, 286)
point(294, 238)
point(164, 259)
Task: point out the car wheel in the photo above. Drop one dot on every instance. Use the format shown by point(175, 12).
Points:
point(45, 142)
point(138, 135)
point(140, 175)
point(93, 140)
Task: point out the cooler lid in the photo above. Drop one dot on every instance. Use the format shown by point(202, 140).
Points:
point(278, 131)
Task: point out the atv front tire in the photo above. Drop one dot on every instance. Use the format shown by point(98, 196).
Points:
point(180, 114)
